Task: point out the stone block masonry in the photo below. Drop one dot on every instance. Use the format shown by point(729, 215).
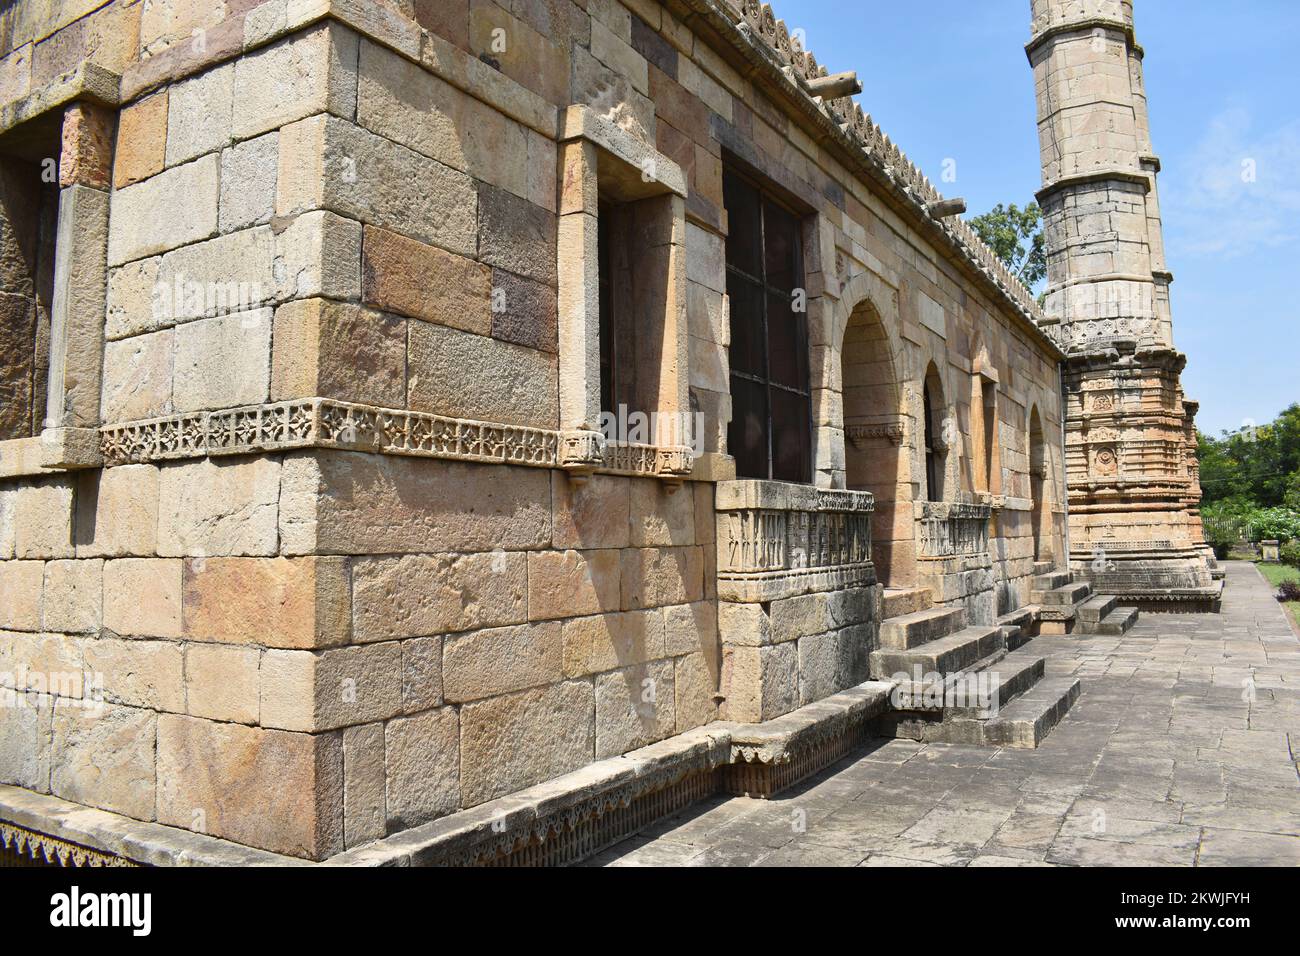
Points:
point(328, 545)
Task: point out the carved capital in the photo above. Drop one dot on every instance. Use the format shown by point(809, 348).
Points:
point(582, 452)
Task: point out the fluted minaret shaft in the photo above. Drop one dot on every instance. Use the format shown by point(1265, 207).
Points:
point(1106, 275)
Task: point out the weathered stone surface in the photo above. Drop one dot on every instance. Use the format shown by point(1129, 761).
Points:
point(415, 595)
point(138, 673)
point(199, 114)
point(306, 73)
point(591, 514)
point(566, 583)
point(421, 674)
point(745, 624)
point(19, 323)
point(423, 772)
point(460, 375)
point(74, 593)
point(759, 683)
point(117, 512)
point(142, 597)
point(138, 376)
point(313, 254)
point(222, 362)
point(514, 741)
point(277, 602)
point(21, 582)
point(652, 577)
point(141, 140)
point(170, 209)
point(500, 660)
point(819, 666)
point(414, 278)
point(222, 683)
point(135, 301)
point(219, 507)
point(87, 155)
point(76, 324)
point(695, 681)
point(248, 176)
point(607, 642)
point(691, 628)
point(335, 350)
point(660, 518)
point(403, 102)
point(104, 757)
point(331, 164)
point(516, 235)
point(348, 502)
point(524, 311)
point(42, 519)
point(331, 688)
point(26, 735)
point(799, 616)
point(364, 808)
point(634, 707)
point(270, 789)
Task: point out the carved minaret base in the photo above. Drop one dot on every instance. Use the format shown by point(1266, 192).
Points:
point(1134, 491)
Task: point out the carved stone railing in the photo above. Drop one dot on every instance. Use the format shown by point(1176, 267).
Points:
point(777, 540)
point(953, 529)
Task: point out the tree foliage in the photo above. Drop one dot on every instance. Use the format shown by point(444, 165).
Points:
point(1016, 237)
point(1256, 466)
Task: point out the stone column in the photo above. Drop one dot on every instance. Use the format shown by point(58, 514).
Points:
point(579, 308)
point(80, 287)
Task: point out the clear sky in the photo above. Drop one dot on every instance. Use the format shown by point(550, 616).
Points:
point(949, 80)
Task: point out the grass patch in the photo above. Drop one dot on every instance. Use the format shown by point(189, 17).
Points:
point(1275, 574)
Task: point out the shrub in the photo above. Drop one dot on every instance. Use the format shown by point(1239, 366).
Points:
point(1289, 553)
point(1289, 590)
point(1279, 524)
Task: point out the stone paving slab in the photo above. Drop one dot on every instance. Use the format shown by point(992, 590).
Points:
point(1183, 750)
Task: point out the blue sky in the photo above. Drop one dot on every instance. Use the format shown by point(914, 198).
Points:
point(948, 79)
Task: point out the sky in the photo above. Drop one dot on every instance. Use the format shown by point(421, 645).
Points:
point(949, 81)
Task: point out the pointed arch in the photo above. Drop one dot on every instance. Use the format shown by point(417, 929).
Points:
point(1040, 487)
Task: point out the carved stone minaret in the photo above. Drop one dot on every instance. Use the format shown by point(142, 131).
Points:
point(1130, 438)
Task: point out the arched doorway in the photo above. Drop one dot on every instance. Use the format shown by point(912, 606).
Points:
point(1039, 488)
point(935, 439)
point(874, 449)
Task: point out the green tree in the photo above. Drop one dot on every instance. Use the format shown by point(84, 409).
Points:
point(1256, 466)
point(1016, 237)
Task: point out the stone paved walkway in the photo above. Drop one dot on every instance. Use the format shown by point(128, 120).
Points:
point(1181, 751)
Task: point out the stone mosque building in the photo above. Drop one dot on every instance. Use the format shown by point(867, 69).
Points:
point(467, 431)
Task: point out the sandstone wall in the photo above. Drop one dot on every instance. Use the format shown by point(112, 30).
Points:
point(303, 647)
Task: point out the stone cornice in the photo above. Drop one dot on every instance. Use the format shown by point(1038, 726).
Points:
point(1045, 30)
point(1137, 177)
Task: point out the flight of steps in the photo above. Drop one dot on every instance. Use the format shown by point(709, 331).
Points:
point(951, 654)
point(1067, 607)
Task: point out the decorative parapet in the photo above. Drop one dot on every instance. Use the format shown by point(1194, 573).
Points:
point(759, 23)
point(954, 529)
point(326, 423)
point(778, 540)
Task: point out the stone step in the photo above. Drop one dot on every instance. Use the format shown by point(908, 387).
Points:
point(1050, 580)
point(1044, 567)
point(896, 602)
point(943, 656)
point(1096, 607)
point(1066, 594)
point(1029, 718)
point(1114, 624)
point(1015, 675)
point(909, 630)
